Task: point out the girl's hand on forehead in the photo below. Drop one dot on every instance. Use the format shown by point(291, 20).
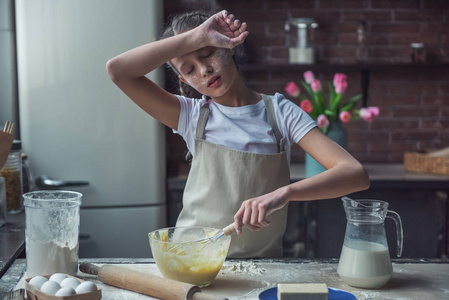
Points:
point(223, 30)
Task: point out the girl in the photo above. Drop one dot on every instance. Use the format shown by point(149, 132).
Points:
point(240, 139)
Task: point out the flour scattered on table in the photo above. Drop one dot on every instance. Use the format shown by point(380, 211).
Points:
point(369, 295)
point(243, 267)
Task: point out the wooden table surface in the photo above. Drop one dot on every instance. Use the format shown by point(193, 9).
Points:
point(389, 175)
point(382, 176)
point(246, 279)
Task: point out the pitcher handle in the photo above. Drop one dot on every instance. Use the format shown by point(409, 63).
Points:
point(399, 233)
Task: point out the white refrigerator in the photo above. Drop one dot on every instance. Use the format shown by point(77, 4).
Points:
point(77, 125)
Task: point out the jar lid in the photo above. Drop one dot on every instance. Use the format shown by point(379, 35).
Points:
point(301, 23)
point(417, 45)
point(16, 145)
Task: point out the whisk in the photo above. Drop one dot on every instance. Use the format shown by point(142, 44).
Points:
point(9, 127)
point(178, 248)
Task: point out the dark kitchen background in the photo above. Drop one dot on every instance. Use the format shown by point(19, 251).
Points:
point(413, 100)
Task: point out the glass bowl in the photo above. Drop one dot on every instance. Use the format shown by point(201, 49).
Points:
point(187, 254)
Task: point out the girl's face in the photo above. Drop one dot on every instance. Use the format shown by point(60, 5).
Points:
point(209, 70)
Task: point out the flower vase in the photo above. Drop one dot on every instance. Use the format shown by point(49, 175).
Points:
point(336, 133)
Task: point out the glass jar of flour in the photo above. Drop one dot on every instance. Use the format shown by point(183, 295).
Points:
point(52, 220)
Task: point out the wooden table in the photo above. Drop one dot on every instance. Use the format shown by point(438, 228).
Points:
point(245, 279)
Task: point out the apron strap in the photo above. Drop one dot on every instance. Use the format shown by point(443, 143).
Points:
point(202, 120)
point(272, 118)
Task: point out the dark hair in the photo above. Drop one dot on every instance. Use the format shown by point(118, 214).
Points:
point(183, 22)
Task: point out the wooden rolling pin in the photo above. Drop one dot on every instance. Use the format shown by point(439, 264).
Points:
point(146, 284)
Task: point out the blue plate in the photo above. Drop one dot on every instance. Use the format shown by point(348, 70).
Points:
point(272, 294)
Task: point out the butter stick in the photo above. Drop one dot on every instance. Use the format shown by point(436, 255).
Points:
point(303, 291)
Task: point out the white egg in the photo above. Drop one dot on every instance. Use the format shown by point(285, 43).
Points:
point(58, 277)
point(86, 287)
point(50, 287)
point(38, 281)
point(65, 291)
point(70, 282)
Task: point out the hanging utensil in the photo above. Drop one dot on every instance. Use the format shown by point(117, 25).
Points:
point(6, 139)
point(9, 127)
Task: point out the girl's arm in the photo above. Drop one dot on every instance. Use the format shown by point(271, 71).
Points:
point(128, 70)
point(344, 175)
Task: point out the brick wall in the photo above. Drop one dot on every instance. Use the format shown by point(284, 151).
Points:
point(414, 103)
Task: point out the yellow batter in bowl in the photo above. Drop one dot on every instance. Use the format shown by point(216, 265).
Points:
point(182, 254)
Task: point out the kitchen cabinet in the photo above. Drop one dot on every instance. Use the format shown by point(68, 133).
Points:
point(423, 213)
point(315, 229)
point(420, 199)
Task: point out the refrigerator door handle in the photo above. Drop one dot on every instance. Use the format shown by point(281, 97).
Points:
point(84, 236)
point(45, 182)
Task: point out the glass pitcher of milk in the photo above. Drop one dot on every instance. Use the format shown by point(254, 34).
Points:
point(365, 260)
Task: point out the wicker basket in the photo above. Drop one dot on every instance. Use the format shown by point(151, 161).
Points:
point(426, 163)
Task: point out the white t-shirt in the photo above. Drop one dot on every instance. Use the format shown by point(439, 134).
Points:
point(244, 128)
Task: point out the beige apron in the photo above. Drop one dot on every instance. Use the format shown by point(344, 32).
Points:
point(221, 179)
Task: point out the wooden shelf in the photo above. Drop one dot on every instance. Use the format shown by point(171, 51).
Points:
point(341, 67)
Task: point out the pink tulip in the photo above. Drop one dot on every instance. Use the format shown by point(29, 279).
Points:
point(292, 89)
point(339, 77)
point(309, 77)
point(367, 114)
point(345, 116)
point(323, 122)
point(316, 85)
point(374, 109)
point(341, 86)
point(306, 106)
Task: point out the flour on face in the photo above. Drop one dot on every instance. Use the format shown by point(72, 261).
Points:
point(207, 67)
